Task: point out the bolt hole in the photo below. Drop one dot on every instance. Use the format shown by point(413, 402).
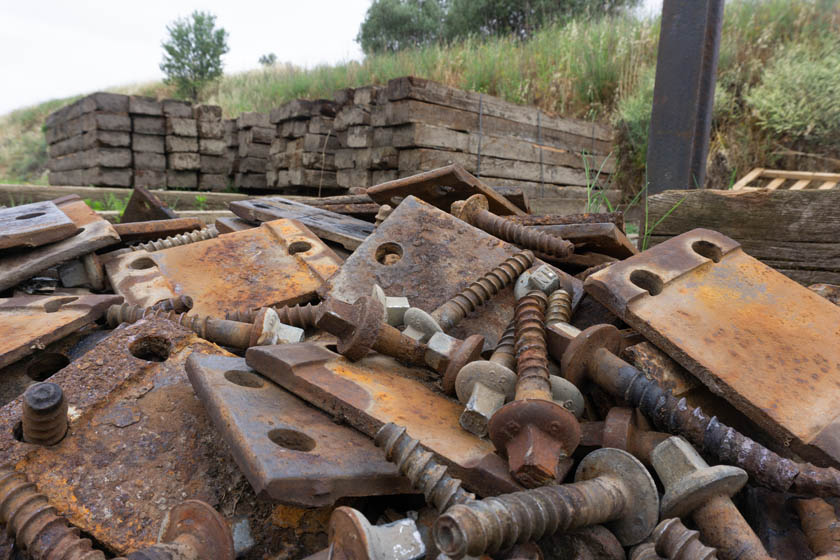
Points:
point(244, 379)
point(388, 253)
point(299, 247)
point(647, 280)
point(17, 431)
point(445, 536)
point(142, 263)
point(45, 365)
point(291, 439)
point(151, 348)
point(707, 249)
point(55, 304)
point(443, 190)
point(29, 216)
point(332, 348)
point(261, 205)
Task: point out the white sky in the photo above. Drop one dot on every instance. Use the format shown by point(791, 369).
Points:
point(57, 48)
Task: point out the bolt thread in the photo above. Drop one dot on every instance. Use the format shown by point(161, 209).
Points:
point(180, 304)
point(301, 316)
point(676, 542)
point(644, 551)
point(34, 524)
point(45, 426)
point(820, 525)
point(497, 523)
point(524, 236)
point(718, 440)
point(559, 309)
point(482, 290)
point(178, 240)
point(220, 331)
point(530, 348)
point(421, 468)
point(504, 352)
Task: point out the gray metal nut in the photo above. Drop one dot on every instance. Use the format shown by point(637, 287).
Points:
point(395, 307)
point(275, 332)
point(542, 278)
point(439, 348)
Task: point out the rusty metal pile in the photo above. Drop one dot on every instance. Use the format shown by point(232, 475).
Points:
point(422, 369)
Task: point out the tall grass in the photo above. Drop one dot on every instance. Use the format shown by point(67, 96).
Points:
point(586, 68)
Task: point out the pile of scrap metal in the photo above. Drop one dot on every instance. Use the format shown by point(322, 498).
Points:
point(459, 378)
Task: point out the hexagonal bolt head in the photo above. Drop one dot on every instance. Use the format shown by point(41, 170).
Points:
point(419, 325)
point(483, 387)
point(352, 537)
point(688, 480)
point(439, 348)
point(268, 330)
point(542, 278)
point(395, 307)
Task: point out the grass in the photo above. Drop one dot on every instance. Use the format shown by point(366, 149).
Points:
point(111, 202)
point(590, 69)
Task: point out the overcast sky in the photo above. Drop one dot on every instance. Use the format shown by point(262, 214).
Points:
point(57, 48)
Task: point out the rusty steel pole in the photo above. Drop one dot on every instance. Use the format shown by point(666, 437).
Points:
point(683, 96)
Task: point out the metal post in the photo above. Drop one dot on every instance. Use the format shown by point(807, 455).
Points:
point(683, 96)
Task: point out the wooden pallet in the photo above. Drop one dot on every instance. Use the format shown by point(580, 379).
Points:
point(776, 179)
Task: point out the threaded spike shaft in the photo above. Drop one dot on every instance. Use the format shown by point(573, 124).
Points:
point(301, 316)
point(524, 236)
point(482, 290)
point(531, 350)
point(645, 551)
point(718, 440)
point(36, 527)
point(559, 308)
point(820, 525)
point(676, 542)
point(178, 240)
point(504, 353)
point(180, 304)
point(44, 420)
point(421, 468)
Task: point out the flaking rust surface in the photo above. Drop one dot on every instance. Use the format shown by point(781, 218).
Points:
point(376, 390)
point(763, 342)
point(28, 323)
point(279, 263)
point(441, 255)
point(139, 440)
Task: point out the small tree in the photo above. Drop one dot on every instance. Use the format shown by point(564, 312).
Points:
point(269, 59)
point(192, 56)
point(392, 25)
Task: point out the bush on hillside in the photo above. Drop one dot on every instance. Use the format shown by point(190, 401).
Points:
point(799, 94)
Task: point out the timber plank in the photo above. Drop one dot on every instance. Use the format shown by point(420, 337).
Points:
point(33, 225)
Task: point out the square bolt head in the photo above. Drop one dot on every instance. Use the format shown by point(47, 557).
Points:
point(674, 459)
point(439, 349)
point(542, 278)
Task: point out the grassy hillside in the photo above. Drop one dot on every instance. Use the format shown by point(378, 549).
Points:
point(777, 102)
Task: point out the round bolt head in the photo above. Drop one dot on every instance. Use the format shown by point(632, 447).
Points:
point(697, 488)
point(542, 278)
point(576, 357)
point(468, 351)
point(495, 377)
point(564, 393)
point(207, 529)
point(643, 503)
point(43, 397)
point(419, 325)
point(352, 537)
point(463, 209)
point(268, 330)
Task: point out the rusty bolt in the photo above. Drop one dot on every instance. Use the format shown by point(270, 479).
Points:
point(178, 240)
point(821, 527)
point(421, 468)
point(382, 214)
point(611, 487)
point(44, 420)
point(180, 304)
point(395, 307)
point(592, 356)
point(475, 212)
point(644, 551)
point(353, 538)
point(359, 329)
point(192, 530)
point(536, 434)
point(675, 542)
point(595, 542)
point(621, 430)
point(422, 326)
point(265, 330)
point(300, 316)
point(447, 356)
point(694, 488)
point(34, 524)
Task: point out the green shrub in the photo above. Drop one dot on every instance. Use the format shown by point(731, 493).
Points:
point(799, 93)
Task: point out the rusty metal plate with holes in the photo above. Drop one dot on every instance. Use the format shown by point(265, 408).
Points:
point(144, 206)
point(433, 256)
point(441, 187)
point(278, 263)
point(28, 323)
point(95, 233)
point(376, 390)
point(33, 225)
point(139, 440)
point(347, 231)
point(758, 339)
point(290, 451)
point(135, 232)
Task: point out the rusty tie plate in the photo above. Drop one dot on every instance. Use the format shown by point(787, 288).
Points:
point(376, 390)
point(760, 340)
point(279, 263)
point(288, 450)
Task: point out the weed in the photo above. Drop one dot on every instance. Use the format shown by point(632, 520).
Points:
point(110, 203)
point(200, 202)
